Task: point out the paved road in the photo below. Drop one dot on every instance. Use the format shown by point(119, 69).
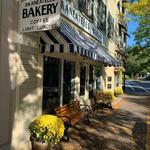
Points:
point(137, 87)
point(122, 129)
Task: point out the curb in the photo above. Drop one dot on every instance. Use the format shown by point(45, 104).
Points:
point(148, 132)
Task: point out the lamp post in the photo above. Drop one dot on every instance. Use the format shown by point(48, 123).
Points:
point(124, 76)
point(124, 82)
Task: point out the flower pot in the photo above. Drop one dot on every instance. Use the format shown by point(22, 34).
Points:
point(36, 145)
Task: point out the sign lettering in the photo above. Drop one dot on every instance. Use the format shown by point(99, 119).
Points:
point(75, 16)
point(38, 15)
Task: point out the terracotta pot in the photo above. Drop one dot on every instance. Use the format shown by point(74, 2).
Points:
point(36, 145)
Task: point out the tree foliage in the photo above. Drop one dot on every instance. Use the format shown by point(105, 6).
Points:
point(141, 10)
point(138, 62)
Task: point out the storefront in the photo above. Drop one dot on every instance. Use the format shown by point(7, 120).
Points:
point(65, 59)
point(73, 52)
point(73, 65)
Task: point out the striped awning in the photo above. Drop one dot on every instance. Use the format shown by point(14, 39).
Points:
point(68, 40)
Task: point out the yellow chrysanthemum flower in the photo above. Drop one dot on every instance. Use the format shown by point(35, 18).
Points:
point(47, 128)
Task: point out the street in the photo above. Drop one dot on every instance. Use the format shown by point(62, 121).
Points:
point(137, 87)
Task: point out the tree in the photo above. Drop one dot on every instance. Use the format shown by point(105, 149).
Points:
point(138, 62)
point(141, 10)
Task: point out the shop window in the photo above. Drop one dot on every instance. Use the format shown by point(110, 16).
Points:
point(87, 7)
point(81, 5)
point(51, 80)
point(69, 81)
point(108, 86)
point(109, 79)
point(110, 26)
point(101, 15)
point(98, 75)
point(51, 83)
point(91, 81)
point(82, 79)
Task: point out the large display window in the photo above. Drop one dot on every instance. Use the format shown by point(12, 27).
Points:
point(82, 79)
point(69, 81)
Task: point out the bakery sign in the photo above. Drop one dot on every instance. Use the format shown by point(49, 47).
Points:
point(39, 15)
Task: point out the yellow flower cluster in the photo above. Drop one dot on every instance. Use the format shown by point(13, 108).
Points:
point(47, 128)
point(105, 94)
point(118, 91)
point(109, 94)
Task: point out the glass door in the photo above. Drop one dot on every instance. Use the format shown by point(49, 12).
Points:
point(58, 83)
point(91, 81)
point(51, 84)
point(69, 81)
point(82, 79)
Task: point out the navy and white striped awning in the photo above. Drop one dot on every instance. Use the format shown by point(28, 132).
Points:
point(68, 40)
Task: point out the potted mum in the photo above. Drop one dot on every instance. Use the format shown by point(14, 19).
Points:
point(45, 132)
point(118, 91)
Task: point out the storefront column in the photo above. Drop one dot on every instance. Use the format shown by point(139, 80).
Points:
point(61, 82)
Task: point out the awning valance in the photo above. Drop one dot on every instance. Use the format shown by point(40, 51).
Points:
point(68, 40)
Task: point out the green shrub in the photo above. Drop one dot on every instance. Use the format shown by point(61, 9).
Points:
point(118, 91)
point(127, 77)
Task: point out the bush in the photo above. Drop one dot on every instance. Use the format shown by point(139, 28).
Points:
point(127, 77)
point(47, 129)
point(118, 91)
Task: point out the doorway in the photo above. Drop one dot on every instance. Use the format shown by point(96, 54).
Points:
point(69, 81)
point(51, 84)
point(54, 76)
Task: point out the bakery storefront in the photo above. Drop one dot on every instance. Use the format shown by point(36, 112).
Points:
point(59, 56)
point(73, 50)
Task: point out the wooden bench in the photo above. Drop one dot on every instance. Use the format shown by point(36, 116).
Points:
point(71, 114)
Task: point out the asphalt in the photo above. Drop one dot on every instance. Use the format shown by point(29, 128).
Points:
point(137, 87)
point(123, 128)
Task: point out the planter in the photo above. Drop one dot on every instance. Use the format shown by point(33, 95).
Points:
point(36, 145)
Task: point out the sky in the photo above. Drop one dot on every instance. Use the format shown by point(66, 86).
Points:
point(132, 25)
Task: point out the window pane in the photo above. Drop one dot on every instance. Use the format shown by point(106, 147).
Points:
point(69, 81)
point(51, 84)
point(91, 82)
point(82, 79)
point(101, 12)
point(81, 5)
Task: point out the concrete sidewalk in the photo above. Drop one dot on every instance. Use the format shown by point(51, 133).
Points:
point(124, 128)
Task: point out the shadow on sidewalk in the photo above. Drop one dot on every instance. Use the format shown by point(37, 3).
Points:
point(120, 130)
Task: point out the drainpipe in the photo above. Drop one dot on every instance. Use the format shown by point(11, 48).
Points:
point(124, 79)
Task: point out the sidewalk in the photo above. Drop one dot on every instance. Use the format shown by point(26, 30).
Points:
point(124, 128)
point(116, 104)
